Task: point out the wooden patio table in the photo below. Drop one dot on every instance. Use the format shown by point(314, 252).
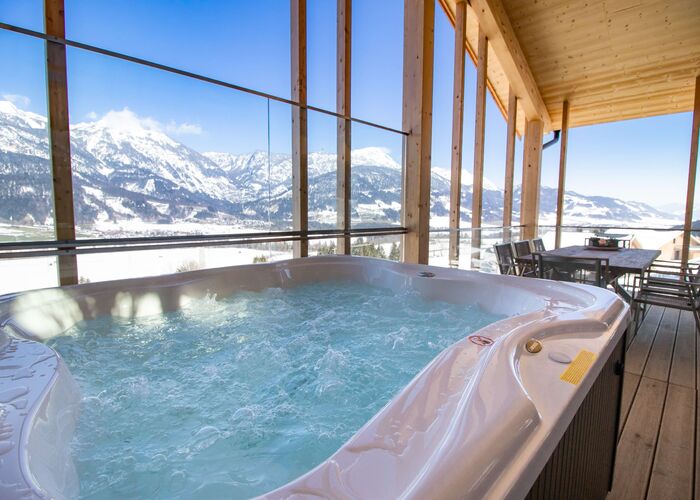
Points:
point(620, 262)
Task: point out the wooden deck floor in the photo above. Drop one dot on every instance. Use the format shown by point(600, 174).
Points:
point(657, 453)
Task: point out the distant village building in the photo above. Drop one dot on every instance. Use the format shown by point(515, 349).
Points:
point(669, 242)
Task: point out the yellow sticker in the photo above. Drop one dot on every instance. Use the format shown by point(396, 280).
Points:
point(578, 367)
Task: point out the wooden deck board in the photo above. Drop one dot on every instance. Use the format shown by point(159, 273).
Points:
point(683, 367)
point(659, 449)
point(638, 351)
point(629, 390)
point(637, 444)
point(661, 354)
point(672, 472)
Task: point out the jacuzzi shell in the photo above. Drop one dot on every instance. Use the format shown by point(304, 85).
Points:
point(445, 435)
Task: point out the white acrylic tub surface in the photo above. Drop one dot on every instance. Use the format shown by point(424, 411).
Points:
point(443, 436)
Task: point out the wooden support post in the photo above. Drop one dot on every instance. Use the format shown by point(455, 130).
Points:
point(561, 188)
point(510, 165)
point(419, 26)
point(479, 136)
point(59, 138)
point(300, 159)
point(344, 152)
point(530, 191)
point(692, 171)
point(457, 129)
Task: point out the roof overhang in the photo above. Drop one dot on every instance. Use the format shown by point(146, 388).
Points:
point(612, 60)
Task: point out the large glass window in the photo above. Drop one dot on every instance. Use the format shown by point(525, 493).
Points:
point(246, 43)
point(26, 191)
point(156, 153)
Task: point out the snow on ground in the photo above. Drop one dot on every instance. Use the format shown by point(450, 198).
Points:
point(40, 272)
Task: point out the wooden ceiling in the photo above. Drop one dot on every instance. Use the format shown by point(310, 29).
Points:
point(612, 59)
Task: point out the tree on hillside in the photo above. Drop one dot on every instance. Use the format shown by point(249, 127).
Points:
point(368, 249)
point(395, 252)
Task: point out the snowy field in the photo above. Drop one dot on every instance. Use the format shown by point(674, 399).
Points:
point(26, 274)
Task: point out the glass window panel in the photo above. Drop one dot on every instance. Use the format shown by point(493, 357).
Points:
point(161, 154)
point(321, 53)
point(377, 61)
point(376, 177)
point(246, 43)
point(24, 13)
point(323, 171)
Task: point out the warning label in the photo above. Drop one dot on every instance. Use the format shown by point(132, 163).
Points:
point(480, 340)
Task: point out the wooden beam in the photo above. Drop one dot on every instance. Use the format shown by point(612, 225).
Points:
point(510, 164)
point(59, 137)
point(561, 188)
point(457, 131)
point(692, 172)
point(530, 191)
point(479, 138)
point(419, 26)
point(451, 16)
point(300, 178)
point(493, 19)
point(344, 150)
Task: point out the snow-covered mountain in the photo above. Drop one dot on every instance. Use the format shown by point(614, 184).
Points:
point(127, 171)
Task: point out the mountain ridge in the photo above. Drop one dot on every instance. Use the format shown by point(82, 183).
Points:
point(128, 171)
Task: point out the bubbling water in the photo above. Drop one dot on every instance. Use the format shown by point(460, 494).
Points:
point(232, 398)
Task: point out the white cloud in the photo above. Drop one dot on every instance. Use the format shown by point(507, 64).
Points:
point(19, 100)
point(183, 128)
point(128, 120)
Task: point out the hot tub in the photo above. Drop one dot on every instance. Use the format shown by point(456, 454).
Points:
point(520, 423)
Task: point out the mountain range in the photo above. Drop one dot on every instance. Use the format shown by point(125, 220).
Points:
point(128, 175)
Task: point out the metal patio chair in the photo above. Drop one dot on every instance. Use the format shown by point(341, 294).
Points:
point(538, 245)
point(677, 292)
point(589, 271)
point(526, 267)
point(505, 259)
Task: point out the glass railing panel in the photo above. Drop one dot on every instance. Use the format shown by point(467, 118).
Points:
point(381, 247)
point(136, 264)
point(27, 274)
point(327, 246)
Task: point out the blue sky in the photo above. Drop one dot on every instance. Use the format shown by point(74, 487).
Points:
point(247, 43)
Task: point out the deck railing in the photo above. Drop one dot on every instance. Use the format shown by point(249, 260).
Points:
point(666, 239)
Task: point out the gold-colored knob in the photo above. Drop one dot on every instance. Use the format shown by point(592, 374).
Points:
point(533, 346)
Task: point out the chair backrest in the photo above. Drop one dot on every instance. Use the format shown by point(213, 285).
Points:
point(522, 248)
point(538, 245)
point(504, 256)
point(591, 271)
